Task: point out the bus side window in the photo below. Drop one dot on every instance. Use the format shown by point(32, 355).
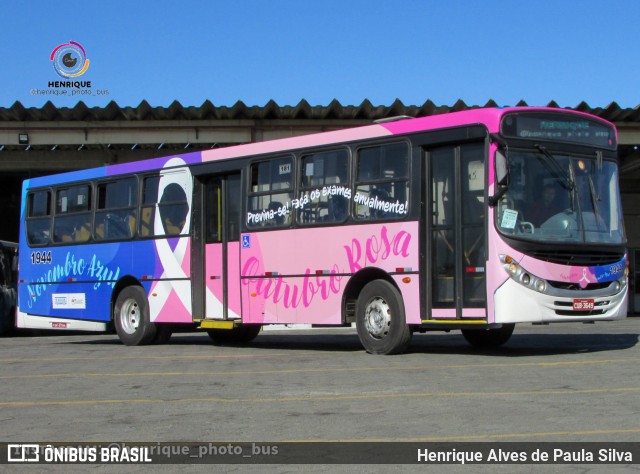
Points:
point(173, 209)
point(38, 217)
point(269, 202)
point(324, 183)
point(149, 202)
point(116, 213)
point(167, 202)
point(72, 220)
point(382, 182)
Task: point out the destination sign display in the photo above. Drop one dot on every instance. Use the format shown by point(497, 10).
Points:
point(558, 127)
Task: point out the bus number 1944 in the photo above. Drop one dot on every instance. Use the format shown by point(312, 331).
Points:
point(41, 257)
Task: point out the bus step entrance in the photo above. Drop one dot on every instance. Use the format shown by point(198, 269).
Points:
point(217, 324)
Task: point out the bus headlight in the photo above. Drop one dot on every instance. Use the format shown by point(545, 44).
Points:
point(522, 276)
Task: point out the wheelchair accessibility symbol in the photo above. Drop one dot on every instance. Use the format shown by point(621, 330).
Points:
point(246, 241)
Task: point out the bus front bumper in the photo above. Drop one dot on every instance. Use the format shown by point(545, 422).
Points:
point(515, 303)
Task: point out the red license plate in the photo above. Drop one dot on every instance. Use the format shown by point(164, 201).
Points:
point(583, 304)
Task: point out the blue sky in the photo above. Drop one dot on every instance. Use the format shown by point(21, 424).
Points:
point(349, 50)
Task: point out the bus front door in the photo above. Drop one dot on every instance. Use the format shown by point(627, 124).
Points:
point(216, 262)
point(456, 283)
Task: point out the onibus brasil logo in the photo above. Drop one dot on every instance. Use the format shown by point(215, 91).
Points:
point(69, 59)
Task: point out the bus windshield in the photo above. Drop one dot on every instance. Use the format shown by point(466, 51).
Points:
point(559, 197)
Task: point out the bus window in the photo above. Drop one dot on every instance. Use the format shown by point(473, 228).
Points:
point(172, 207)
point(149, 200)
point(38, 217)
point(324, 181)
point(72, 222)
point(116, 210)
point(270, 197)
point(382, 182)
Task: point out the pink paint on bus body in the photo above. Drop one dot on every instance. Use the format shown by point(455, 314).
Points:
point(277, 287)
point(170, 297)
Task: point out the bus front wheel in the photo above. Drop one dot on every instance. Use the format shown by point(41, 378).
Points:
point(131, 317)
point(487, 338)
point(380, 319)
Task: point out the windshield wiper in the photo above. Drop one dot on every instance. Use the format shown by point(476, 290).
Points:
point(572, 192)
point(567, 180)
point(594, 200)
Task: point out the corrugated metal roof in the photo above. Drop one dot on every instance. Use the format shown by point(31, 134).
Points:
point(272, 111)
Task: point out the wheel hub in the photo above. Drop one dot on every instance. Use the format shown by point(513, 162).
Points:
point(130, 316)
point(377, 318)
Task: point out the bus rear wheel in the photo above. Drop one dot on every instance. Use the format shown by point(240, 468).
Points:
point(131, 317)
point(381, 320)
point(238, 335)
point(487, 338)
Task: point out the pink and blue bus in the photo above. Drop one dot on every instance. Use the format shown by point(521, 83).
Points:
point(474, 220)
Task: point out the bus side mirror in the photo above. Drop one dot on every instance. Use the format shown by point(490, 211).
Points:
point(502, 177)
point(502, 169)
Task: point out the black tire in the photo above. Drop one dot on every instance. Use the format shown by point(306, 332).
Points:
point(238, 335)
point(380, 319)
point(486, 338)
point(131, 317)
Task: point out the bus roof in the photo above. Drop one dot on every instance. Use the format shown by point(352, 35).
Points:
point(488, 117)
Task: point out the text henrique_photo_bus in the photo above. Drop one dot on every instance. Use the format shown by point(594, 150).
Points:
point(473, 220)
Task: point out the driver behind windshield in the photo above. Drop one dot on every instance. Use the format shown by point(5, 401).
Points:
point(544, 208)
